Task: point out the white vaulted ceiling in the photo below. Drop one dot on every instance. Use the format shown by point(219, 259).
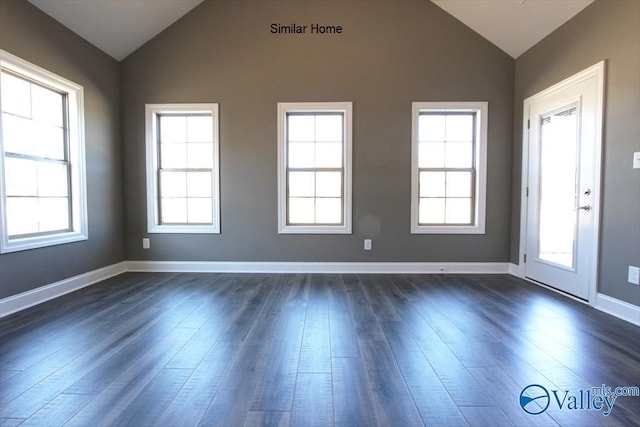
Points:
point(513, 25)
point(118, 27)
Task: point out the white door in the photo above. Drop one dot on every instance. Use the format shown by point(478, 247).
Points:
point(562, 181)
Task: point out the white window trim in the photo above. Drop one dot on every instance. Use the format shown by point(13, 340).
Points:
point(481, 108)
point(75, 97)
point(283, 109)
point(153, 218)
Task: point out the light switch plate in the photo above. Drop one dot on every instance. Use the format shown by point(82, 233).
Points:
point(146, 243)
point(367, 244)
point(634, 275)
point(636, 160)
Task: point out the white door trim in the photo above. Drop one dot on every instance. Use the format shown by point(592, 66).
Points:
point(597, 71)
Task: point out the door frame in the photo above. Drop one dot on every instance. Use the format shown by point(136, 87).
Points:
point(596, 71)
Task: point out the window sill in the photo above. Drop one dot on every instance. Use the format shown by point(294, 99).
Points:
point(322, 229)
point(184, 229)
point(437, 229)
point(26, 243)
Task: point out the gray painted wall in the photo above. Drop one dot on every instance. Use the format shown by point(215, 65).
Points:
point(605, 30)
point(390, 54)
point(30, 34)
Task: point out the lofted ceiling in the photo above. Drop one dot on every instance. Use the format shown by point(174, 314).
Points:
point(119, 27)
point(513, 25)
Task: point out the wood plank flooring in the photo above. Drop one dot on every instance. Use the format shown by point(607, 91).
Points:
point(165, 349)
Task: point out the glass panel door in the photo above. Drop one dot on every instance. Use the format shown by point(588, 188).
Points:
point(558, 187)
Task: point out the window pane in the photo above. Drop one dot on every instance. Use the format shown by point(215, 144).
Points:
point(301, 210)
point(52, 180)
point(199, 129)
point(199, 211)
point(174, 210)
point(431, 211)
point(459, 128)
point(458, 211)
point(329, 184)
point(198, 184)
point(18, 135)
point(431, 154)
point(200, 155)
point(329, 128)
point(47, 106)
point(458, 184)
point(459, 155)
point(329, 155)
point(432, 184)
point(301, 184)
point(21, 177)
point(173, 128)
point(329, 211)
point(22, 215)
point(43, 136)
point(16, 95)
point(559, 152)
point(301, 155)
point(173, 156)
point(53, 214)
point(173, 184)
point(300, 128)
point(431, 127)
point(49, 142)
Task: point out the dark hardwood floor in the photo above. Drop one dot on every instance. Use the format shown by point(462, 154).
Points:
point(313, 350)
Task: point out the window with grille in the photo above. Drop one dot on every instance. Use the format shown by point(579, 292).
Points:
point(314, 167)
point(42, 167)
point(448, 184)
point(182, 168)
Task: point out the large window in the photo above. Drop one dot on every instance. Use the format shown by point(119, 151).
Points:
point(42, 176)
point(448, 174)
point(182, 168)
point(314, 167)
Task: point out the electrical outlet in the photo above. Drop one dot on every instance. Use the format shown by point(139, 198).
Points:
point(367, 244)
point(146, 243)
point(636, 160)
point(634, 275)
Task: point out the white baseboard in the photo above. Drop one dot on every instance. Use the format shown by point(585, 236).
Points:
point(515, 270)
point(44, 293)
point(620, 309)
point(15, 303)
point(39, 295)
point(613, 306)
point(320, 267)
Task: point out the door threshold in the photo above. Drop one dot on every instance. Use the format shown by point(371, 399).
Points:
point(556, 290)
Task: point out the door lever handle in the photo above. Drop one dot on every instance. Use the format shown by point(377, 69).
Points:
point(585, 208)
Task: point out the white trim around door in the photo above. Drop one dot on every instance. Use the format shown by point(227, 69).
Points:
point(595, 76)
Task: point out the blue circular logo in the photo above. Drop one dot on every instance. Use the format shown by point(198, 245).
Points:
point(534, 399)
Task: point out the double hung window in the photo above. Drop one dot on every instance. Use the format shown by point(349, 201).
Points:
point(448, 176)
point(182, 168)
point(314, 173)
point(42, 175)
